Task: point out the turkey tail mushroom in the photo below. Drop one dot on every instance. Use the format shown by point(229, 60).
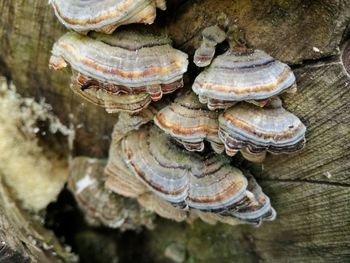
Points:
point(121, 72)
point(189, 181)
point(251, 76)
point(105, 15)
point(254, 130)
point(190, 123)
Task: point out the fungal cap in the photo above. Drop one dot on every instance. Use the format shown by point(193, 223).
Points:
point(246, 76)
point(120, 60)
point(190, 122)
point(121, 78)
point(255, 129)
point(120, 180)
point(113, 103)
point(258, 208)
point(105, 15)
point(212, 36)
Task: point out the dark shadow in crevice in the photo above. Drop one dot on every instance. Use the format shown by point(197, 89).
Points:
point(4, 70)
point(93, 244)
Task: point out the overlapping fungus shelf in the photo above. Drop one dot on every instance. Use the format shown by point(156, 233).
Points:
point(100, 206)
point(121, 181)
point(190, 122)
point(130, 103)
point(205, 182)
point(121, 72)
point(105, 15)
point(252, 76)
point(259, 207)
point(254, 130)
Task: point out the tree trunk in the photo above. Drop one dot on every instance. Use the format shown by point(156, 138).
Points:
point(310, 190)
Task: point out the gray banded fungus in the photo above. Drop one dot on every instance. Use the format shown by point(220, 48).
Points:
point(212, 36)
point(121, 72)
point(189, 181)
point(248, 75)
point(86, 182)
point(254, 130)
point(131, 103)
point(190, 123)
point(259, 205)
point(105, 15)
point(122, 181)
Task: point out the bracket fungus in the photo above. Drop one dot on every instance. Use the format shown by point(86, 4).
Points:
point(127, 70)
point(105, 15)
point(190, 122)
point(204, 182)
point(121, 72)
point(259, 206)
point(212, 36)
point(240, 74)
point(254, 130)
point(252, 76)
point(121, 181)
point(97, 95)
point(86, 182)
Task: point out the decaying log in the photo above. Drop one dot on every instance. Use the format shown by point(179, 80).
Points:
point(310, 191)
point(24, 240)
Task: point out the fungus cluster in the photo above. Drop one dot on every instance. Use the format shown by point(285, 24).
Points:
point(157, 155)
point(188, 181)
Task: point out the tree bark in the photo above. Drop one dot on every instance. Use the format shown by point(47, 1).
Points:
point(310, 190)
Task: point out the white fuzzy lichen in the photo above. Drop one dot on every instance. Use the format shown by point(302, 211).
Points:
point(35, 176)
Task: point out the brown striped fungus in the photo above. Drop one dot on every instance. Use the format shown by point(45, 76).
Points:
point(121, 72)
point(190, 123)
point(123, 182)
point(254, 130)
point(105, 15)
point(203, 182)
point(242, 74)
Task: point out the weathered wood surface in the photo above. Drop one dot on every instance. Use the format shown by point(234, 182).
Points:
point(28, 30)
point(288, 30)
point(322, 102)
point(24, 240)
point(310, 191)
point(312, 226)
